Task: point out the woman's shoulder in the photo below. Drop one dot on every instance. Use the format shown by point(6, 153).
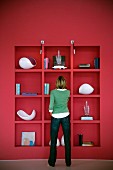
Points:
point(68, 90)
point(54, 90)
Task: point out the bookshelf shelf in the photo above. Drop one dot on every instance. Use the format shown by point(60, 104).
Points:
point(30, 122)
point(86, 121)
point(21, 96)
point(57, 70)
point(86, 70)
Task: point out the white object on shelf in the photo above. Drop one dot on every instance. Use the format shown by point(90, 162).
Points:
point(27, 62)
point(57, 144)
point(86, 89)
point(86, 118)
point(23, 115)
point(59, 67)
point(62, 141)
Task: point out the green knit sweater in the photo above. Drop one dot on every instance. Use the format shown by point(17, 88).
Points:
point(59, 100)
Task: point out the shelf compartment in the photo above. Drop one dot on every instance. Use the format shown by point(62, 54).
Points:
point(29, 104)
point(91, 132)
point(90, 78)
point(85, 55)
point(37, 128)
point(50, 51)
point(29, 82)
point(78, 107)
point(28, 51)
point(52, 77)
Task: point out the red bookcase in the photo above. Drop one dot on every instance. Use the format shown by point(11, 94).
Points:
point(32, 80)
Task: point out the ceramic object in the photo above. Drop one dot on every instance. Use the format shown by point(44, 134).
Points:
point(86, 89)
point(23, 115)
point(27, 62)
point(62, 141)
point(57, 144)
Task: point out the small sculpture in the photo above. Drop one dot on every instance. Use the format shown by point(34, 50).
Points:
point(58, 58)
point(59, 61)
point(27, 62)
point(86, 109)
point(57, 144)
point(62, 141)
point(23, 115)
point(86, 89)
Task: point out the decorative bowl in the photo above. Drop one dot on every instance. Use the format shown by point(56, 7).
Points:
point(86, 89)
point(27, 62)
point(23, 115)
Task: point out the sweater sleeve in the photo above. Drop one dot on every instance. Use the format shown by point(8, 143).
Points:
point(51, 105)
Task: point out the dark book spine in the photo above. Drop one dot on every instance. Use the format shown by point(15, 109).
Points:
point(97, 63)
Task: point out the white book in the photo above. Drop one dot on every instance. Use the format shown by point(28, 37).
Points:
point(59, 67)
point(86, 118)
point(28, 139)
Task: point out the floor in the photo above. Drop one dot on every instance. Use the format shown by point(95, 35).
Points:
point(77, 164)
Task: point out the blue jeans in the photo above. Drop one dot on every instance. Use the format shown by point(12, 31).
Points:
point(55, 124)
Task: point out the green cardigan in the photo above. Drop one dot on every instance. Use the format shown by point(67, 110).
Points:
point(59, 100)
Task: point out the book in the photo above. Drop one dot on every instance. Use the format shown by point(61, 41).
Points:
point(84, 65)
point(17, 89)
point(29, 94)
point(28, 138)
point(59, 67)
point(46, 88)
point(97, 63)
point(86, 118)
point(46, 63)
point(87, 143)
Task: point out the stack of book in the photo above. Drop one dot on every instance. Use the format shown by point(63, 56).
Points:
point(46, 88)
point(29, 94)
point(59, 67)
point(84, 65)
point(46, 63)
point(86, 118)
point(87, 143)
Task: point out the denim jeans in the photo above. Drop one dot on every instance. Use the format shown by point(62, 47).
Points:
point(55, 124)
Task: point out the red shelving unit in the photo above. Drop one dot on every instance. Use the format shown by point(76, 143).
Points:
point(32, 80)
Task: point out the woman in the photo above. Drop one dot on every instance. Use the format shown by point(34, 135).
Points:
point(59, 112)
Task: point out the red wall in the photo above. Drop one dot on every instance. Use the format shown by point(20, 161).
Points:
point(26, 22)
